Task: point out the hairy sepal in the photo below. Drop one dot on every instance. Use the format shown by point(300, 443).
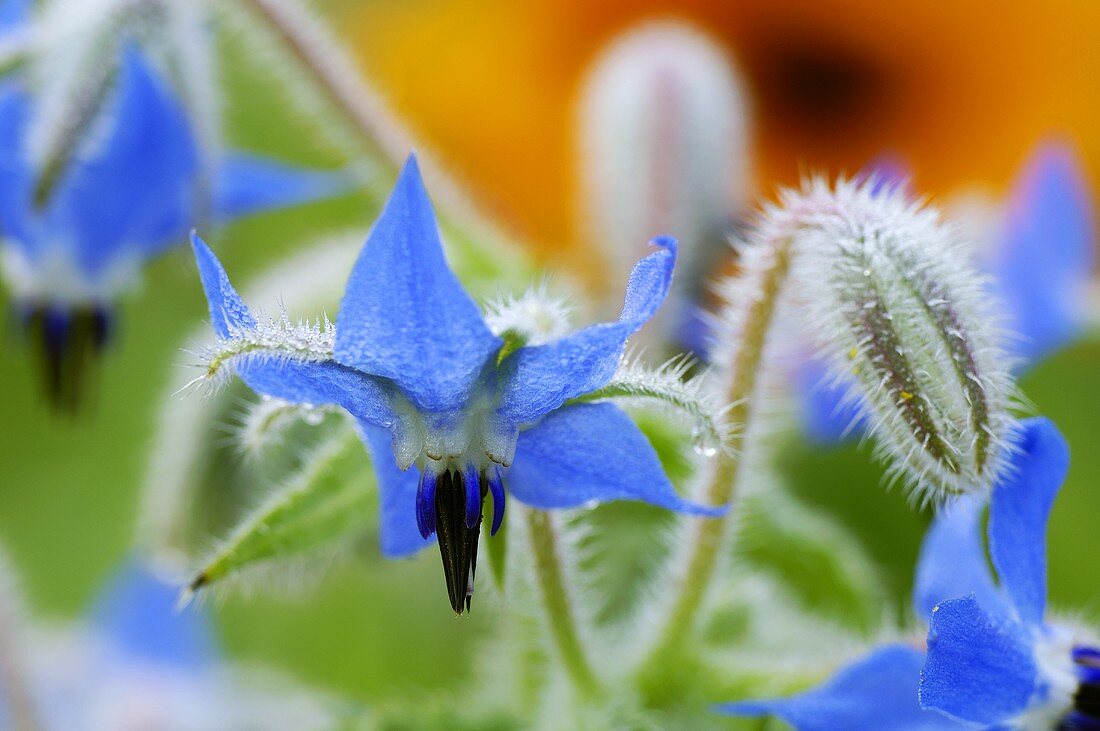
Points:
point(330, 500)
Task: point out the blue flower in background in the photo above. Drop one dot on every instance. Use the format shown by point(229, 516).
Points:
point(993, 660)
point(129, 193)
point(1040, 269)
point(140, 662)
point(880, 690)
point(449, 409)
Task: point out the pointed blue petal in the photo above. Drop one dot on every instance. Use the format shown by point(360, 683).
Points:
point(978, 669)
point(400, 534)
point(139, 614)
point(544, 377)
point(953, 562)
point(876, 692)
point(404, 315)
point(591, 452)
point(828, 414)
point(14, 14)
point(250, 184)
point(307, 382)
point(1044, 264)
point(16, 177)
point(228, 312)
point(132, 194)
point(1018, 513)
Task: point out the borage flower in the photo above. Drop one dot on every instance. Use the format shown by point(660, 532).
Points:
point(129, 193)
point(994, 661)
point(138, 661)
point(461, 409)
point(990, 661)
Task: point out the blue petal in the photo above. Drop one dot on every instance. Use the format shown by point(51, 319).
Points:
point(404, 315)
point(400, 535)
point(139, 614)
point(829, 414)
point(132, 194)
point(228, 312)
point(14, 14)
point(1043, 267)
point(978, 669)
point(544, 377)
point(591, 452)
point(1018, 513)
point(953, 562)
point(16, 176)
point(251, 184)
point(879, 691)
point(308, 382)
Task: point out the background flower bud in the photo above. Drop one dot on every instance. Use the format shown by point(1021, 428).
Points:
point(664, 143)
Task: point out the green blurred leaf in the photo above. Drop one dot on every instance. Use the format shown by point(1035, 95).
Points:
point(333, 497)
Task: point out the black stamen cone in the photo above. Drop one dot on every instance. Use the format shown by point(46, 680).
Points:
point(457, 543)
point(1085, 715)
point(67, 339)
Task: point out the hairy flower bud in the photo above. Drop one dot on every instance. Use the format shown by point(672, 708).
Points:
point(900, 312)
point(664, 149)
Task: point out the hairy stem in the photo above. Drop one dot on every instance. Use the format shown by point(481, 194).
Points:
point(555, 601)
point(707, 536)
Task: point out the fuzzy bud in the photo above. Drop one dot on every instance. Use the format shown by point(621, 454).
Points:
point(900, 311)
point(664, 146)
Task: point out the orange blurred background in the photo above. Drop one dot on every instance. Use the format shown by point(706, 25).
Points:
point(960, 90)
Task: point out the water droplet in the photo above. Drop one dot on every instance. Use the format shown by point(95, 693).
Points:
point(704, 450)
point(702, 442)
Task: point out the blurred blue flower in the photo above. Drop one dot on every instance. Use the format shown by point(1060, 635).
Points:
point(993, 660)
point(1040, 268)
point(879, 690)
point(990, 659)
point(433, 389)
point(139, 661)
point(129, 192)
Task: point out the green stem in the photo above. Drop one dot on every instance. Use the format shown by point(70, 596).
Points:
point(336, 76)
point(707, 536)
point(555, 600)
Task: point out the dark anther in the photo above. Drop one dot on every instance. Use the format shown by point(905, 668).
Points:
point(1085, 715)
point(68, 340)
point(457, 540)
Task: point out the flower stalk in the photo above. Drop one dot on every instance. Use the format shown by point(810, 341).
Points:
point(318, 54)
point(553, 588)
point(707, 537)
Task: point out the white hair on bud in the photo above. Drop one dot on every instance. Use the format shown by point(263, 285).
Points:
point(893, 302)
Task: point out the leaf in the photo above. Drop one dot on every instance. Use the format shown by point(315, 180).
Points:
point(332, 498)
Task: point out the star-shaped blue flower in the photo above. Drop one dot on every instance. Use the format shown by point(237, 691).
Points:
point(451, 411)
point(994, 661)
point(130, 192)
point(1040, 271)
point(880, 690)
